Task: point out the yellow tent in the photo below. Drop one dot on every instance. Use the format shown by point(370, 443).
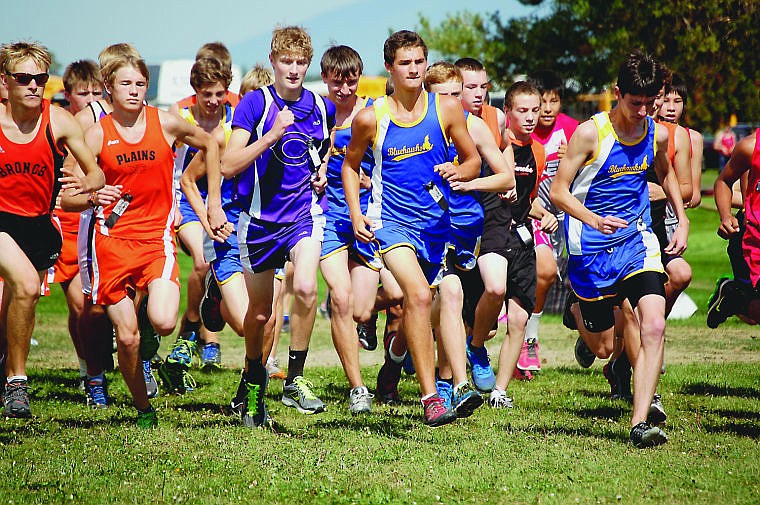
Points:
point(53, 87)
point(371, 86)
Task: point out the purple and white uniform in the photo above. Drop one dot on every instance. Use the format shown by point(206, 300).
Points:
point(279, 205)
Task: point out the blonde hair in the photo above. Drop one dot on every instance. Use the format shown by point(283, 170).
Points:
point(115, 51)
point(209, 71)
point(15, 52)
point(291, 40)
point(215, 51)
point(125, 60)
point(441, 72)
point(256, 78)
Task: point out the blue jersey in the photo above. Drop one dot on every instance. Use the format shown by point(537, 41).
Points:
point(613, 183)
point(464, 206)
point(276, 187)
point(337, 208)
point(404, 182)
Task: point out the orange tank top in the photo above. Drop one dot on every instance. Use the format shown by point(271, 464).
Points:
point(29, 172)
point(488, 114)
point(145, 170)
point(671, 127)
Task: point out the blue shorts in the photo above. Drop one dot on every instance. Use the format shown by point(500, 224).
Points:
point(596, 276)
point(429, 248)
point(266, 246)
point(224, 257)
point(465, 241)
point(339, 235)
point(187, 213)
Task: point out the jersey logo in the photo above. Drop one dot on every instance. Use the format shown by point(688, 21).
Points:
point(621, 170)
point(112, 142)
point(398, 154)
point(316, 122)
point(2, 150)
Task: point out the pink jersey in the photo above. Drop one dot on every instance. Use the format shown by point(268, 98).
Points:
point(751, 239)
point(552, 138)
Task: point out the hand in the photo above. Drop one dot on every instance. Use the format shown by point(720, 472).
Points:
point(679, 242)
point(364, 181)
point(460, 185)
point(728, 227)
point(509, 196)
point(561, 149)
point(106, 195)
point(610, 224)
point(284, 119)
point(363, 227)
point(447, 171)
point(74, 184)
point(319, 182)
point(549, 223)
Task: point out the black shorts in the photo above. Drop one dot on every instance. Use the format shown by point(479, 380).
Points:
point(36, 236)
point(495, 238)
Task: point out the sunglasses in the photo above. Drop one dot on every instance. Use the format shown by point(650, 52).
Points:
point(23, 78)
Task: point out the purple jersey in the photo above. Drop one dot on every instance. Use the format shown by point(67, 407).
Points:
point(277, 186)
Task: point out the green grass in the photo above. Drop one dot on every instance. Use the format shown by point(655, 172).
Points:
point(565, 441)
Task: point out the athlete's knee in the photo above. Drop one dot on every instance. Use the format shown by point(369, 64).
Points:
point(601, 344)
point(418, 298)
point(495, 291)
point(652, 329)
point(451, 295)
point(305, 291)
point(258, 315)
point(341, 301)
point(679, 277)
point(518, 316)
point(164, 324)
point(25, 291)
point(127, 337)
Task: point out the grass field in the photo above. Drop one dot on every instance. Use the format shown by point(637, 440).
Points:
point(564, 442)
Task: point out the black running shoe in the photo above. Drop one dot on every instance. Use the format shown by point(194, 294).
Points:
point(367, 333)
point(723, 302)
point(643, 435)
point(583, 355)
point(16, 399)
point(211, 312)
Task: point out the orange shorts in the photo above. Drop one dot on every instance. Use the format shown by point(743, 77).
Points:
point(67, 266)
point(121, 267)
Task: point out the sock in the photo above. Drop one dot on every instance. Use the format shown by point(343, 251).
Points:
point(427, 397)
point(192, 326)
point(82, 367)
point(16, 378)
point(531, 329)
point(96, 379)
point(296, 361)
point(395, 357)
point(256, 373)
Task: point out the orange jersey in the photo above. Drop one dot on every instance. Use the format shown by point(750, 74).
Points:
point(488, 114)
point(230, 98)
point(69, 221)
point(671, 127)
point(145, 170)
point(29, 172)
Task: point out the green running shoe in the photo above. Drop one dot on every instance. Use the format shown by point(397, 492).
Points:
point(298, 395)
point(147, 419)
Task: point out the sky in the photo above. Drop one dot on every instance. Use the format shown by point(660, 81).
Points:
point(174, 29)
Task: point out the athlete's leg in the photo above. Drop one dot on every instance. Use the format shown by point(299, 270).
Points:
point(679, 278)
point(75, 301)
point(451, 335)
point(234, 302)
point(191, 235)
point(513, 340)
point(260, 287)
point(646, 374)
point(163, 305)
point(124, 320)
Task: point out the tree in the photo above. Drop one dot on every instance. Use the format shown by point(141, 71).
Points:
point(709, 43)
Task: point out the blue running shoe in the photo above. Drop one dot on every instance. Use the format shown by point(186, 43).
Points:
point(151, 386)
point(465, 400)
point(482, 374)
point(211, 357)
point(445, 390)
point(97, 394)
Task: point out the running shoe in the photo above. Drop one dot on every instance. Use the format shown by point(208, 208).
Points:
point(151, 385)
point(583, 354)
point(445, 391)
point(567, 316)
point(435, 413)
point(367, 333)
point(250, 403)
point(500, 400)
point(211, 357)
point(529, 356)
point(16, 399)
point(656, 414)
point(174, 372)
point(147, 419)
point(360, 400)
point(149, 338)
point(298, 394)
point(97, 392)
point(482, 374)
point(722, 303)
point(643, 435)
point(273, 369)
point(465, 400)
point(387, 382)
point(522, 375)
point(211, 312)
point(618, 376)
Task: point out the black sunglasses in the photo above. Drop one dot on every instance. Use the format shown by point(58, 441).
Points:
point(23, 78)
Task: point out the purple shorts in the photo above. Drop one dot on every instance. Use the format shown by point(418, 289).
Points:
point(266, 246)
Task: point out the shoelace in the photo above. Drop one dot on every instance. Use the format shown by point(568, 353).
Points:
point(16, 392)
point(98, 393)
point(362, 395)
point(304, 386)
point(254, 390)
point(435, 408)
point(183, 351)
point(188, 381)
point(147, 372)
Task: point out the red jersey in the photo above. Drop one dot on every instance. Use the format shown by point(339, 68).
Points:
point(29, 172)
point(489, 114)
point(145, 170)
point(751, 238)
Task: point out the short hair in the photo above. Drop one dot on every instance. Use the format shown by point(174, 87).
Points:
point(519, 88)
point(441, 72)
point(400, 40)
point(209, 71)
point(257, 77)
point(215, 51)
point(125, 60)
point(343, 61)
point(678, 86)
point(291, 40)
point(470, 64)
point(116, 51)
point(15, 52)
point(81, 73)
point(547, 81)
point(640, 74)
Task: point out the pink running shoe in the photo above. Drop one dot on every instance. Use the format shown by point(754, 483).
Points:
point(522, 375)
point(436, 414)
point(529, 356)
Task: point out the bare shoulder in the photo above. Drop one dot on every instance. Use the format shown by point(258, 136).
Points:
point(450, 106)
point(586, 132)
point(364, 121)
point(63, 123)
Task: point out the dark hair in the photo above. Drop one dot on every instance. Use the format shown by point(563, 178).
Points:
point(678, 86)
point(399, 40)
point(81, 72)
point(547, 81)
point(641, 75)
point(469, 64)
point(215, 50)
point(519, 88)
point(209, 71)
point(343, 61)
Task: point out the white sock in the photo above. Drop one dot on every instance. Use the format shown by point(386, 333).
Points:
point(531, 329)
point(395, 358)
point(82, 367)
point(16, 378)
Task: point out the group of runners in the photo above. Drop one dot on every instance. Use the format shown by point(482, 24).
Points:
point(427, 203)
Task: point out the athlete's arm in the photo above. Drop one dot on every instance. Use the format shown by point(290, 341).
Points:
point(65, 128)
point(697, 143)
point(363, 129)
point(580, 149)
point(672, 189)
point(456, 129)
point(682, 163)
point(239, 155)
point(549, 222)
point(503, 178)
point(180, 130)
point(736, 167)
